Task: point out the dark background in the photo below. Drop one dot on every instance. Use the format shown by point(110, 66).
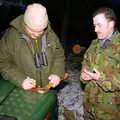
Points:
point(70, 19)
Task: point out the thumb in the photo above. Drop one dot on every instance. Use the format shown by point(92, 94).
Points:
point(50, 77)
point(96, 71)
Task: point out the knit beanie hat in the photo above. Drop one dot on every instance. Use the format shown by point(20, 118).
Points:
point(36, 16)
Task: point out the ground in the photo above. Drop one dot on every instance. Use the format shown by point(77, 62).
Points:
point(70, 94)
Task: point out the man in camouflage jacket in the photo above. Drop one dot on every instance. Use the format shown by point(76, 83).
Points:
point(22, 45)
point(101, 69)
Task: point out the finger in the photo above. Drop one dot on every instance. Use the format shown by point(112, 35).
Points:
point(88, 74)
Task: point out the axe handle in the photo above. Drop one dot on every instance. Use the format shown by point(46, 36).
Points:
point(45, 88)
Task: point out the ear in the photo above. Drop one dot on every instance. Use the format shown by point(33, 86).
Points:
point(112, 24)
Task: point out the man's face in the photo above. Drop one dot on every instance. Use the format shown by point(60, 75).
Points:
point(34, 34)
point(103, 27)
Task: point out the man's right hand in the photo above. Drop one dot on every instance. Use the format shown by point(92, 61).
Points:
point(29, 83)
point(87, 75)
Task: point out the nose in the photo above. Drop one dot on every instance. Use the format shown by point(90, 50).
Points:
point(96, 29)
point(36, 34)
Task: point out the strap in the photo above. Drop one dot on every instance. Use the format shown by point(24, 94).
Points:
point(42, 55)
point(44, 43)
point(25, 37)
point(40, 58)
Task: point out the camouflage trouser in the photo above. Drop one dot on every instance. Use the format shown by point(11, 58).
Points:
point(98, 114)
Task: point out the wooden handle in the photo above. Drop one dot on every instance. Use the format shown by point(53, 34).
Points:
point(48, 86)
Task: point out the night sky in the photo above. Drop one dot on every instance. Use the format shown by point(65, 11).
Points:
point(70, 19)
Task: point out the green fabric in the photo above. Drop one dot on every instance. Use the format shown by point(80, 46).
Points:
point(25, 105)
point(17, 57)
point(5, 89)
point(102, 97)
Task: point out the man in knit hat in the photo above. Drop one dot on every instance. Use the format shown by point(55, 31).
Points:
point(31, 57)
point(31, 54)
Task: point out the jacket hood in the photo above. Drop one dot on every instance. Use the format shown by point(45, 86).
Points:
point(17, 23)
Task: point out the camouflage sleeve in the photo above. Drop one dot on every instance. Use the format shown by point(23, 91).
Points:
point(110, 78)
point(84, 65)
point(109, 85)
point(87, 61)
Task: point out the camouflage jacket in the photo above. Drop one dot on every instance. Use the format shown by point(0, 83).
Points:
point(103, 95)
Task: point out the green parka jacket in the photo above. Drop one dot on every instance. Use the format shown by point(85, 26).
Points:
point(102, 97)
point(17, 57)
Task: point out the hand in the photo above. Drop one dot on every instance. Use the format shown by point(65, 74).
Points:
point(86, 75)
point(54, 79)
point(28, 83)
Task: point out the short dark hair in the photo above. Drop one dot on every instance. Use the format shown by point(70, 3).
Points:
point(108, 12)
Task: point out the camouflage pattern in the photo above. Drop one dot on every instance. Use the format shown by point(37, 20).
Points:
point(102, 97)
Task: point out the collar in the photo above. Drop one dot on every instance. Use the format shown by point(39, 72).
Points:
point(104, 42)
